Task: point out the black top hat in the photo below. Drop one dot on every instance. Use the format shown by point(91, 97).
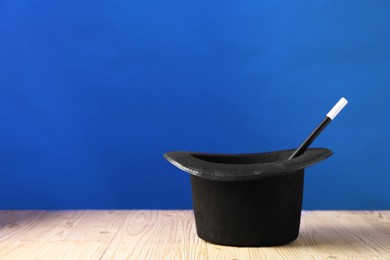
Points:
point(247, 199)
point(240, 167)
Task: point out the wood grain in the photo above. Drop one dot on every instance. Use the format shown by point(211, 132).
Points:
point(142, 234)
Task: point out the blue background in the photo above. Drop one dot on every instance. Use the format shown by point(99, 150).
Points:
point(92, 93)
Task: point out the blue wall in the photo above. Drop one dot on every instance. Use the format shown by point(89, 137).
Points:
point(92, 93)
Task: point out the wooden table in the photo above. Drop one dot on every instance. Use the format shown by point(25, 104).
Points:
point(134, 234)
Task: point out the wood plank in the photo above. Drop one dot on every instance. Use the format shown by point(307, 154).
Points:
point(143, 234)
point(157, 235)
point(56, 234)
point(346, 235)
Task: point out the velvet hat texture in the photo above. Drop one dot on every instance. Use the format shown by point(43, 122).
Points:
point(247, 199)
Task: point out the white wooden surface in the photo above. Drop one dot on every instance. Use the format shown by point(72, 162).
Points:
point(171, 235)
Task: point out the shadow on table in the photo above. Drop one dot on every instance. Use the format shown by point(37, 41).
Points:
point(12, 219)
point(16, 219)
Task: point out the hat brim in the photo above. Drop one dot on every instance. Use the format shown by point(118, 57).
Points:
point(241, 167)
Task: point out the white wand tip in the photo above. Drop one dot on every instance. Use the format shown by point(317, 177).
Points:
point(337, 108)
